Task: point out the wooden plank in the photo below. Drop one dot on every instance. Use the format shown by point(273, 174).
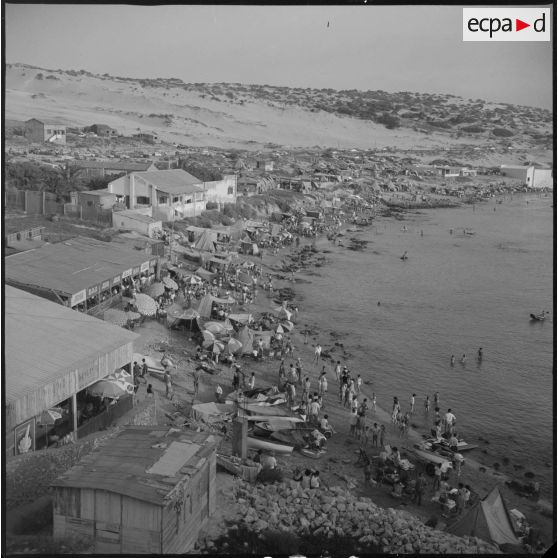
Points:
point(87, 503)
point(58, 525)
point(107, 507)
point(139, 514)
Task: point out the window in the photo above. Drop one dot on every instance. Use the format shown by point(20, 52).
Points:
point(176, 199)
point(89, 203)
point(230, 191)
point(143, 200)
point(163, 200)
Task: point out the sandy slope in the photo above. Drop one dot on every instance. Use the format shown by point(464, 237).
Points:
point(183, 116)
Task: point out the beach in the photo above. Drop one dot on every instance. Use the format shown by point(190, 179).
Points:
point(338, 465)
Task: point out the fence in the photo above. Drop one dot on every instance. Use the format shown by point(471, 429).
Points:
point(107, 417)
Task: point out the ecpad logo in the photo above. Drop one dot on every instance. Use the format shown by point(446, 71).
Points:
point(506, 24)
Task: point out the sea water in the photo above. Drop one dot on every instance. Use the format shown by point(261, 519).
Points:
point(455, 293)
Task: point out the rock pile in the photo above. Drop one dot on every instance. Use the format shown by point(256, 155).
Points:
point(334, 512)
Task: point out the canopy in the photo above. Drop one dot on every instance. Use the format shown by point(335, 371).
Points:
point(208, 339)
point(284, 313)
point(241, 318)
point(209, 412)
point(488, 520)
point(206, 241)
point(286, 324)
point(216, 328)
point(50, 416)
point(204, 274)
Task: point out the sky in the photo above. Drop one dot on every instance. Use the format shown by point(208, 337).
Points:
point(390, 48)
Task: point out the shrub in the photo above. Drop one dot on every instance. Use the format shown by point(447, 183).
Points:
point(472, 129)
point(388, 120)
point(211, 205)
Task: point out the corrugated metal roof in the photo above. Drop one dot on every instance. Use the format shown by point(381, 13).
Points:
point(136, 216)
point(172, 181)
point(128, 463)
point(68, 267)
point(45, 340)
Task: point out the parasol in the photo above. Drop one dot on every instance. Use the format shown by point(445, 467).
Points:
point(193, 280)
point(115, 316)
point(133, 316)
point(190, 314)
point(208, 339)
point(280, 329)
point(50, 416)
point(219, 346)
point(216, 328)
point(109, 388)
point(170, 283)
point(155, 290)
point(285, 324)
point(145, 305)
point(233, 346)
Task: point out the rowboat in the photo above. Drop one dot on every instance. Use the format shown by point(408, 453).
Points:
point(314, 454)
point(538, 317)
point(290, 437)
point(262, 429)
point(260, 443)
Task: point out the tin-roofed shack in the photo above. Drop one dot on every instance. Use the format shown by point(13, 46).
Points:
point(82, 273)
point(148, 490)
point(51, 355)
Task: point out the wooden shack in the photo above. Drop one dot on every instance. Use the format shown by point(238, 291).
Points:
point(150, 489)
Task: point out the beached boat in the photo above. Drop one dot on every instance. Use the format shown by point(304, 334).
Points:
point(262, 429)
point(290, 437)
point(462, 445)
point(260, 443)
point(538, 317)
point(432, 457)
point(469, 232)
point(314, 454)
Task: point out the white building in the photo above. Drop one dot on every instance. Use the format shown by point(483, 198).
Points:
point(221, 191)
point(529, 175)
point(172, 194)
point(139, 220)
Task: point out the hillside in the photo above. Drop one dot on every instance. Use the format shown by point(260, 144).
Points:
point(253, 116)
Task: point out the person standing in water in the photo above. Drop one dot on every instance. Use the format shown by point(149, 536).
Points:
point(479, 354)
point(463, 359)
point(427, 404)
point(452, 360)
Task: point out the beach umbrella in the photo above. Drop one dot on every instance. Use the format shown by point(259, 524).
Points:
point(233, 346)
point(280, 329)
point(287, 325)
point(145, 305)
point(190, 314)
point(170, 283)
point(215, 327)
point(155, 290)
point(133, 315)
point(208, 339)
point(193, 279)
point(219, 346)
point(116, 317)
point(109, 388)
point(50, 416)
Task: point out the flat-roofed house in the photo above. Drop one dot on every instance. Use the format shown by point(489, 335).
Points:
point(38, 131)
point(148, 490)
point(173, 194)
point(529, 175)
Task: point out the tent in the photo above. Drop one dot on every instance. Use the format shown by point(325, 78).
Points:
point(204, 274)
point(489, 520)
point(246, 337)
point(206, 304)
point(206, 241)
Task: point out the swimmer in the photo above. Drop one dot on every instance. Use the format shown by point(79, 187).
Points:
point(452, 360)
point(379, 303)
point(463, 359)
point(479, 354)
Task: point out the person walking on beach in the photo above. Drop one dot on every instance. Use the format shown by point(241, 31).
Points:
point(348, 397)
point(374, 402)
point(412, 402)
point(358, 384)
point(169, 392)
point(449, 420)
point(437, 477)
point(427, 404)
point(306, 332)
point(298, 368)
point(306, 388)
point(419, 489)
point(317, 353)
point(252, 381)
point(479, 354)
point(375, 433)
point(436, 399)
point(322, 384)
point(382, 435)
point(342, 390)
point(338, 371)
point(463, 359)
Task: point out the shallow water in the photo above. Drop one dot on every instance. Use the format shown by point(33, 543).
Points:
point(454, 294)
